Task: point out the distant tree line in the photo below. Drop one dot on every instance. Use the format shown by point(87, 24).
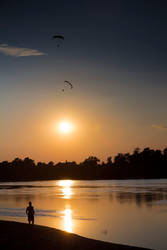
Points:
point(148, 163)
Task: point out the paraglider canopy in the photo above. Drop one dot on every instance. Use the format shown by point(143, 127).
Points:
point(59, 37)
point(69, 83)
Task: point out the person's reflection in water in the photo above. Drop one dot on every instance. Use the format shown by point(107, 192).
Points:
point(30, 213)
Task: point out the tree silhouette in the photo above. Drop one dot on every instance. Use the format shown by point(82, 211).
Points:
point(51, 164)
point(17, 162)
point(148, 163)
point(109, 161)
point(27, 162)
point(91, 161)
point(121, 160)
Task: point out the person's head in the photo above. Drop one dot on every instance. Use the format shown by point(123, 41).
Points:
point(30, 203)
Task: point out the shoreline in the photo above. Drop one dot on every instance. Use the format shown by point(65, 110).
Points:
point(100, 179)
point(16, 235)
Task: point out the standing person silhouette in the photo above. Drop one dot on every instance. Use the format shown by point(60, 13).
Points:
point(30, 213)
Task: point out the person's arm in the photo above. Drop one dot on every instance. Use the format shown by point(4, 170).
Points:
point(26, 210)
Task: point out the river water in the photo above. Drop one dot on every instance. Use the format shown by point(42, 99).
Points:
point(130, 212)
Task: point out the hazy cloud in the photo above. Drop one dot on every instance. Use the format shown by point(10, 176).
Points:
point(162, 127)
point(18, 52)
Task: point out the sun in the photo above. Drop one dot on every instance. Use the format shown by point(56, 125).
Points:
point(65, 127)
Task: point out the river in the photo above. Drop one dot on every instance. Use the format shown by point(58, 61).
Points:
point(130, 212)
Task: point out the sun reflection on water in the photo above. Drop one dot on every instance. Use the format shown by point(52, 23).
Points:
point(66, 188)
point(68, 220)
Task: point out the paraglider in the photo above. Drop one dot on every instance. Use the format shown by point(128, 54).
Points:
point(58, 37)
point(69, 83)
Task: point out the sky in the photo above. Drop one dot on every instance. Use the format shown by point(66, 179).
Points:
point(114, 53)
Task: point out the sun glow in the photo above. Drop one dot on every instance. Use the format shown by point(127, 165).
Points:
point(65, 127)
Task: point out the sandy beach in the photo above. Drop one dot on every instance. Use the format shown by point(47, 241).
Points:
point(15, 235)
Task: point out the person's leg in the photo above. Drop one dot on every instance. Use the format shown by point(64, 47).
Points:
point(29, 219)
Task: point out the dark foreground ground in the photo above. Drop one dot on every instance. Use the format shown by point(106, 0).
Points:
point(21, 236)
